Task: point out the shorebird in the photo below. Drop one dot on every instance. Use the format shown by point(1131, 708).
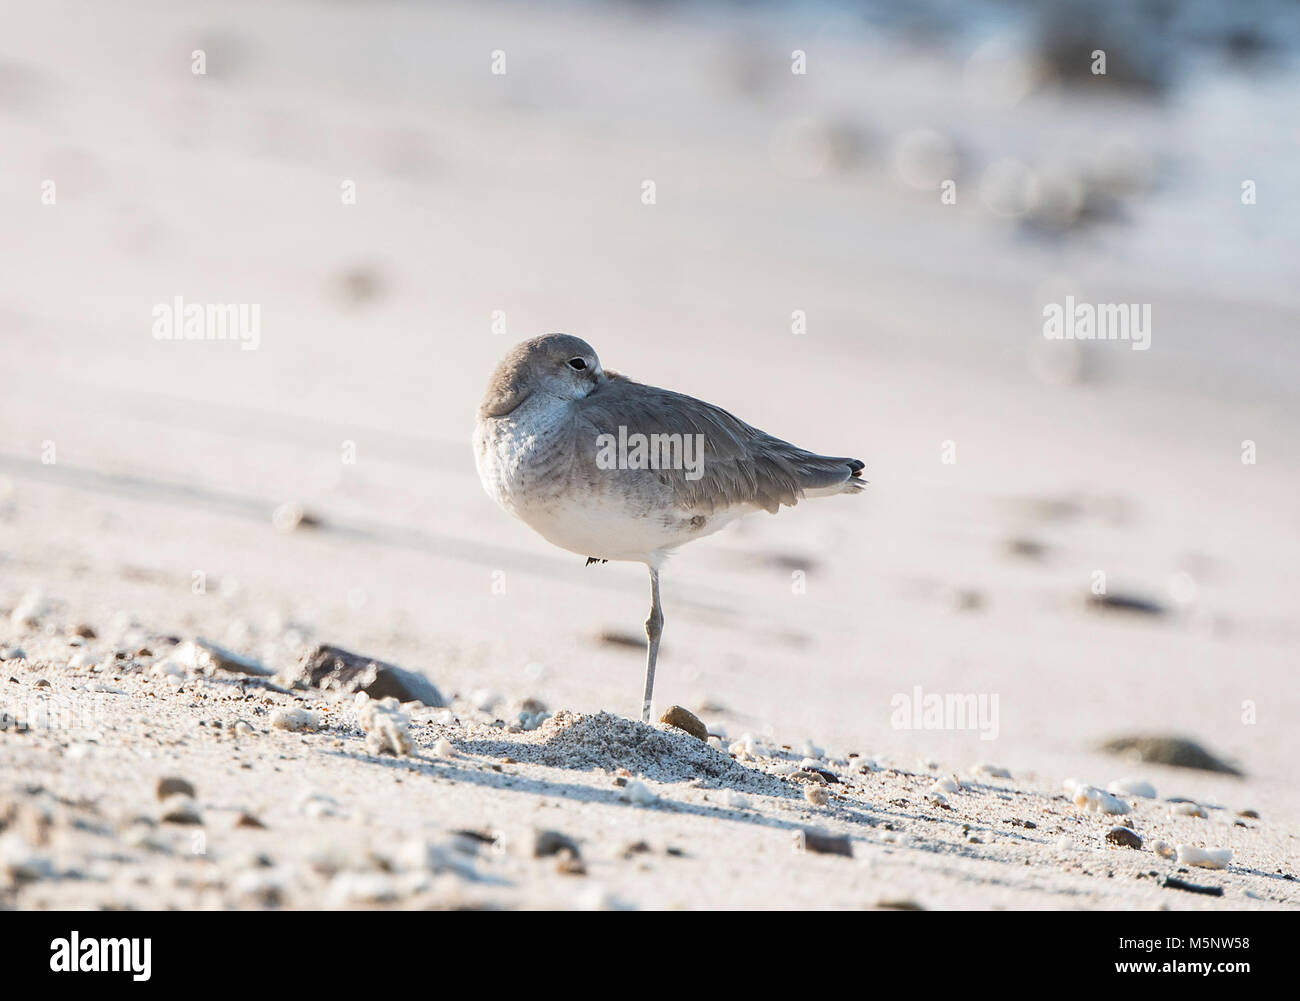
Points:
point(613, 469)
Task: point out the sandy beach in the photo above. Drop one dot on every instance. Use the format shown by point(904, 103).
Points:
point(159, 495)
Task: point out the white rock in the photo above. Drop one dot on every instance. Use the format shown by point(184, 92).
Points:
point(946, 784)
point(1096, 800)
point(985, 770)
point(444, 749)
point(737, 801)
point(295, 719)
point(638, 793)
point(1188, 810)
point(316, 805)
point(167, 668)
point(1204, 858)
point(816, 795)
point(363, 888)
point(386, 726)
point(29, 609)
point(1164, 849)
point(1132, 787)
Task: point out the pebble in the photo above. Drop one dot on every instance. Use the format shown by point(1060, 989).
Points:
point(1174, 883)
point(946, 784)
point(335, 669)
point(816, 795)
point(1250, 814)
point(1164, 849)
point(172, 785)
point(809, 839)
point(638, 793)
point(990, 771)
point(29, 609)
point(1132, 787)
point(242, 729)
point(296, 720)
point(1203, 858)
point(546, 842)
point(1188, 810)
point(1126, 837)
point(686, 720)
point(737, 801)
point(206, 653)
point(248, 820)
point(1096, 800)
point(179, 809)
point(386, 726)
point(444, 749)
point(1170, 751)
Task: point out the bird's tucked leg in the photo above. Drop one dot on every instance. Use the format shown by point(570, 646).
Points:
point(654, 627)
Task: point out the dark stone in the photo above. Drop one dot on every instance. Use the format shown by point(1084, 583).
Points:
point(334, 669)
point(684, 719)
point(553, 843)
point(173, 785)
point(1174, 883)
point(1177, 751)
point(822, 843)
point(1126, 837)
point(227, 660)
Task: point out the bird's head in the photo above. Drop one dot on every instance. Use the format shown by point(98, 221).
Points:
point(558, 365)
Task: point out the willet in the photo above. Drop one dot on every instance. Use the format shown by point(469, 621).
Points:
point(612, 469)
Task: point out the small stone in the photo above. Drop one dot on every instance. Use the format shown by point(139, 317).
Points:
point(207, 653)
point(1249, 814)
point(546, 842)
point(1126, 837)
point(1132, 787)
point(1176, 751)
point(822, 843)
point(1164, 849)
point(296, 720)
point(179, 810)
point(1097, 800)
point(248, 820)
point(334, 669)
point(1204, 858)
point(638, 793)
point(816, 795)
point(686, 720)
point(1174, 883)
point(171, 785)
point(1188, 810)
point(386, 726)
point(42, 683)
point(84, 631)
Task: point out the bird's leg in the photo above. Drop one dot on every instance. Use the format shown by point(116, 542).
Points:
point(654, 627)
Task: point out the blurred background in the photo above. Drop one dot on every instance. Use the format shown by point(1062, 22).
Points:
point(405, 189)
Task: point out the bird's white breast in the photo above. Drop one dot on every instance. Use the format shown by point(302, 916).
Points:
point(528, 463)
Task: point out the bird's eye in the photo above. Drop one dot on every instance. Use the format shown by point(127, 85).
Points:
point(577, 364)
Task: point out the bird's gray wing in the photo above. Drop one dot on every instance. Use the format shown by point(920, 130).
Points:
point(740, 464)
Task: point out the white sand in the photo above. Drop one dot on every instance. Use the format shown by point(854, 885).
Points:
point(522, 194)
